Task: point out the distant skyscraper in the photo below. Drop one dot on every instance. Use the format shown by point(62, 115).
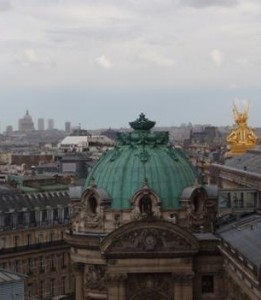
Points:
point(26, 123)
point(50, 124)
point(40, 124)
point(68, 127)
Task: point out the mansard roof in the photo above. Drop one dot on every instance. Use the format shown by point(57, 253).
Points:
point(20, 202)
point(249, 161)
point(243, 236)
point(8, 276)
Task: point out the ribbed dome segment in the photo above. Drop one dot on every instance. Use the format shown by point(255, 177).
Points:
point(143, 155)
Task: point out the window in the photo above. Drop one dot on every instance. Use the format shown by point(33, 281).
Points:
point(63, 260)
point(241, 201)
point(44, 216)
point(229, 199)
point(28, 237)
point(8, 220)
point(52, 263)
point(30, 266)
point(3, 243)
point(92, 203)
point(66, 212)
point(51, 237)
point(17, 266)
point(207, 284)
point(63, 285)
point(16, 241)
point(55, 214)
point(29, 291)
point(41, 290)
point(41, 264)
point(20, 219)
point(32, 218)
point(52, 287)
point(145, 205)
point(235, 200)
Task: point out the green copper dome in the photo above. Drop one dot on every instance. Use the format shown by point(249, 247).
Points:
point(142, 155)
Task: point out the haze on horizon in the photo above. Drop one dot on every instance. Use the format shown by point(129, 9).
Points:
point(101, 63)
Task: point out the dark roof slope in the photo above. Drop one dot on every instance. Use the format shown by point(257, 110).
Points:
point(244, 236)
point(250, 161)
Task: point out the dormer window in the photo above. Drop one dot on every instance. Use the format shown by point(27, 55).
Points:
point(198, 200)
point(145, 204)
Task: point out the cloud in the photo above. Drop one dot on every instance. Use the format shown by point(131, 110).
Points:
point(5, 5)
point(217, 57)
point(30, 57)
point(209, 3)
point(104, 62)
point(157, 59)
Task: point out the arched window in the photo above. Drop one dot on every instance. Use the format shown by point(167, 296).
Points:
point(145, 205)
point(92, 203)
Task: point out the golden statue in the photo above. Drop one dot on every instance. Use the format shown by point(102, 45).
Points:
point(241, 138)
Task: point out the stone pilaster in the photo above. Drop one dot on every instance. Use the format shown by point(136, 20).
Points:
point(116, 286)
point(78, 269)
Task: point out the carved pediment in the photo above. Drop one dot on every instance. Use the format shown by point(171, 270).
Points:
point(149, 239)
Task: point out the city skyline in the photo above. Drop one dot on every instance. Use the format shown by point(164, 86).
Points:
point(101, 63)
point(185, 113)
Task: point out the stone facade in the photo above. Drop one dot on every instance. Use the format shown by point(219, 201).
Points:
point(32, 242)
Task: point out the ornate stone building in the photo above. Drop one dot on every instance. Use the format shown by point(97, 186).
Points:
point(144, 226)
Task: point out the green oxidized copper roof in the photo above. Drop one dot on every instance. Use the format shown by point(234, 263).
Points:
point(143, 155)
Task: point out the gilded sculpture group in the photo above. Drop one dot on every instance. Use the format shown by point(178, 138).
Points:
point(241, 137)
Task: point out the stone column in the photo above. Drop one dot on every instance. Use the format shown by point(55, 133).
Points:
point(183, 287)
point(177, 287)
point(78, 269)
point(121, 284)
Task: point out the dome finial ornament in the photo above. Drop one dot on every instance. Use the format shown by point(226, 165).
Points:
point(142, 123)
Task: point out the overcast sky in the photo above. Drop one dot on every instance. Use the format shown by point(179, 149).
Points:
point(99, 63)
